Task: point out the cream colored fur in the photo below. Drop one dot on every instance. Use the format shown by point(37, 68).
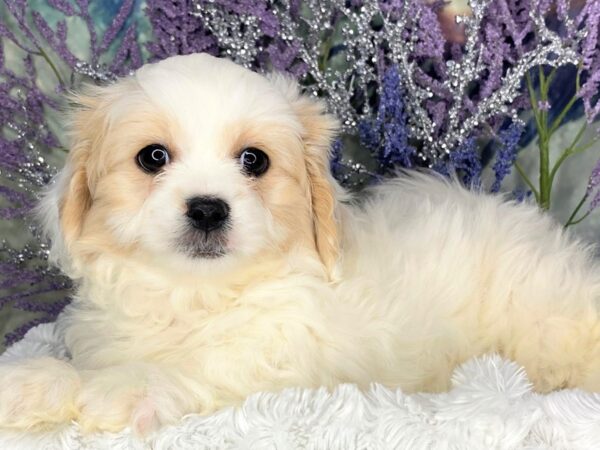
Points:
point(315, 289)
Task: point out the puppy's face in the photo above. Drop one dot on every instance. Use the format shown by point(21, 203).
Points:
point(196, 164)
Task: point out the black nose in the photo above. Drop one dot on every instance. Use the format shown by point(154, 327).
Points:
point(207, 213)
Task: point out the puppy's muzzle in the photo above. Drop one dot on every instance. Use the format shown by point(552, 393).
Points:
point(207, 213)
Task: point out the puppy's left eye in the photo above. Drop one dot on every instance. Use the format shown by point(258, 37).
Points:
point(254, 161)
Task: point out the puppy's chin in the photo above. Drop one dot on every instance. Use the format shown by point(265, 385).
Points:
point(177, 264)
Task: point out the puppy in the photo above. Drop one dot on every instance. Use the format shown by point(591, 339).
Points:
point(214, 256)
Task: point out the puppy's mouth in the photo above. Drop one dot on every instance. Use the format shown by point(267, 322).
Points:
point(206, 254)
point(202, 245)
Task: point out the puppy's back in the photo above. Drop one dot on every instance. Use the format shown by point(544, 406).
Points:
point(440, 273)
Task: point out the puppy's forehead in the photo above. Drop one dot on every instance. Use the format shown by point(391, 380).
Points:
point(205, 91)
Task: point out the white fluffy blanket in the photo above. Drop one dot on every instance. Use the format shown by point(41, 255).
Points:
point(491, 405)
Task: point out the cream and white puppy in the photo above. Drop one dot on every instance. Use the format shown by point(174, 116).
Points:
point(214, 256)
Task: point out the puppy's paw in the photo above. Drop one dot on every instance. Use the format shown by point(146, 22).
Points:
point(37, 393)
point(119, 397)
point(115, 409)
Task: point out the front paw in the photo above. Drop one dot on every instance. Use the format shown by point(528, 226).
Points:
point(115, 398)
point(36, 393)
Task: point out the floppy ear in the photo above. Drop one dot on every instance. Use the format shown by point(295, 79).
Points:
point(319, 130)
point(67, 200)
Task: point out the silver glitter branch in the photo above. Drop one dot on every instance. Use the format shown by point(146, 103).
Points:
point(365, 51)
point(239, 38)
point(552, 51)
point(328, 82)
point(553, 54)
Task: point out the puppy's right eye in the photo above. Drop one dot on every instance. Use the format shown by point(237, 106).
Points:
point(152, 158)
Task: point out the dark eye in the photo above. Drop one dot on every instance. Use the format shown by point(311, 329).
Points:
point(254, 161)
point(152, 158)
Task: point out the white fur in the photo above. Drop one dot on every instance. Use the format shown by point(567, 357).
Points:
point(429, 275)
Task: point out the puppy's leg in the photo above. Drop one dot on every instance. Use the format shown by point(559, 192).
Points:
point(140, 395)
point(544, 305)
point(37, 392)
point(558, 352)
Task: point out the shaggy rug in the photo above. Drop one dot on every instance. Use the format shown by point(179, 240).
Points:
point(490, 406)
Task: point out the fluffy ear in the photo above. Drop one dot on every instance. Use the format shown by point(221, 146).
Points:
point(319, 130)
point(68, 198)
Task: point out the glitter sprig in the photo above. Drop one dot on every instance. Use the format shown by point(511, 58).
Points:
point(442, 109)
point(30, 147)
